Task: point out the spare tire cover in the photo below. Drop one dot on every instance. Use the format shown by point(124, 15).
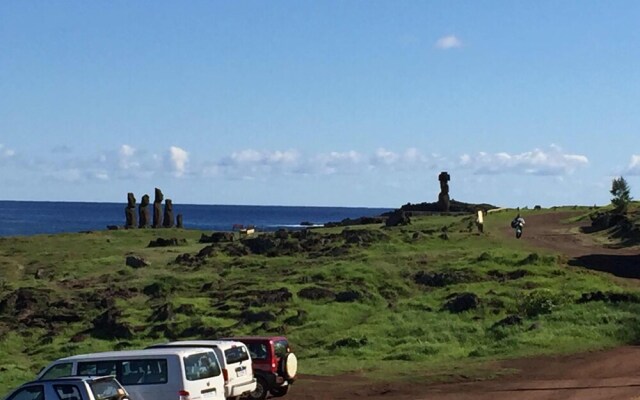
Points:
point(291, 366)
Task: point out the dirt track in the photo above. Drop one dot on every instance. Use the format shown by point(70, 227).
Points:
point(611, 375)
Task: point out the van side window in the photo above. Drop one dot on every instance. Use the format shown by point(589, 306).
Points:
point(57, 371)
point(236, 355)
point(143, 372)
point(201, 366)
point(99, 368)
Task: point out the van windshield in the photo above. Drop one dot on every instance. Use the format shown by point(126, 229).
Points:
point(236, 354)
point(201, 366)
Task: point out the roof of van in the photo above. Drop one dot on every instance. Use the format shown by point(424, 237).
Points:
point(200, 343)
point(136, 353)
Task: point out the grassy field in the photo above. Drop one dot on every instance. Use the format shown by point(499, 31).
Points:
point(382, 304)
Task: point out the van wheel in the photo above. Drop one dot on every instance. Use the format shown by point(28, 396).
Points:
point(279, 391)
point(261, 390)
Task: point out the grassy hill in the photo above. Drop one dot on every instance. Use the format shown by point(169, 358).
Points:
point(435, 298)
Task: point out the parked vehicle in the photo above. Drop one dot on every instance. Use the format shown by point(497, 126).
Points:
point(234, 358)
point(274, 364)
point(155, 374)
point(71, 388)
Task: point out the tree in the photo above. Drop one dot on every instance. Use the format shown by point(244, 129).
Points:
point(621, 194)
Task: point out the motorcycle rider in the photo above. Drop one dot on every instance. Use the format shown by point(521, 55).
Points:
point(518, 221)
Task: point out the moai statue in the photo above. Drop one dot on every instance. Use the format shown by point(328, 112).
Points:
point(157, 209)
point(168, 214)
point(130, 212)
point(143, 212)
point(443, 197)
point(179, 221)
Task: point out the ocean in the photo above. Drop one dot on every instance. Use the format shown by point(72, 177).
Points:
point(21, 218)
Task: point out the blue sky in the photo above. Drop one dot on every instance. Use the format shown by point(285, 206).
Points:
point(327, 103)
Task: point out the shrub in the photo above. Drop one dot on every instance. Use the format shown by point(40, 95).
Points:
point(538, 302)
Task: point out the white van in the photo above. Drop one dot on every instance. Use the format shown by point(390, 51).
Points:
point(158, 374)
point(235, 359)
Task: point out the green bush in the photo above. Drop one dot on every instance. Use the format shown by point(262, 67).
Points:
point(541, 301)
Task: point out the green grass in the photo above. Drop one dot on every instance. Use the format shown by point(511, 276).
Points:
point(396, 329)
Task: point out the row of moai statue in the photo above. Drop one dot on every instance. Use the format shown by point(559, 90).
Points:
point(161, 219)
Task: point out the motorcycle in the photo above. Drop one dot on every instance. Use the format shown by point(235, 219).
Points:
point(518, 225)
point(518, 230)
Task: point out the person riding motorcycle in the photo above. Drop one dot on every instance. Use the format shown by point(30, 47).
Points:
point(518, 224)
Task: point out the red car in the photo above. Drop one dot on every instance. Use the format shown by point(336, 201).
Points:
point(274, 364)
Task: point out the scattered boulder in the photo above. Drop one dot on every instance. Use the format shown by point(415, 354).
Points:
point(297, 320)
point(446, 277)
point(501, 276)
point(157, 290)
point(609, 297)
point(316, 293)
point(161, 242)
point(259, 298)
point(217, 237)
point(186, 309)
point(348, 296)
point(397, 218)
point(260, 244)
point(458, 303)
point(136, 262)
point(362, 237)
point(163, 313)
point(249, 317)
point(509, 320)
point(349, 342)
point(108, 326)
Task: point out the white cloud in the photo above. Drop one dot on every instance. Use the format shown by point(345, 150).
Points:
point(634, 165)
point(537, 162)
point(126, 157)
point(334, 162)
point(384, 156)
point(5, 152)
point(448, 42)
point(178, 159)
point(251, 156)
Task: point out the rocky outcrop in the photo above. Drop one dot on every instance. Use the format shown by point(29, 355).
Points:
point(397, 218)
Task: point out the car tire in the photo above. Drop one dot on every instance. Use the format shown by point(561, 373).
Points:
point(290, 366)
point(279, 391)
point(260, 393)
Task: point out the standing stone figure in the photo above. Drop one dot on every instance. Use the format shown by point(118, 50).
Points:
point(168, 214)
point(157, 209)
point(179, 221)
point(130, 212)
point(143, 212)
point(443, 197)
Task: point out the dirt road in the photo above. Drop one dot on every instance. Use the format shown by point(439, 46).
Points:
point(605, 375)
